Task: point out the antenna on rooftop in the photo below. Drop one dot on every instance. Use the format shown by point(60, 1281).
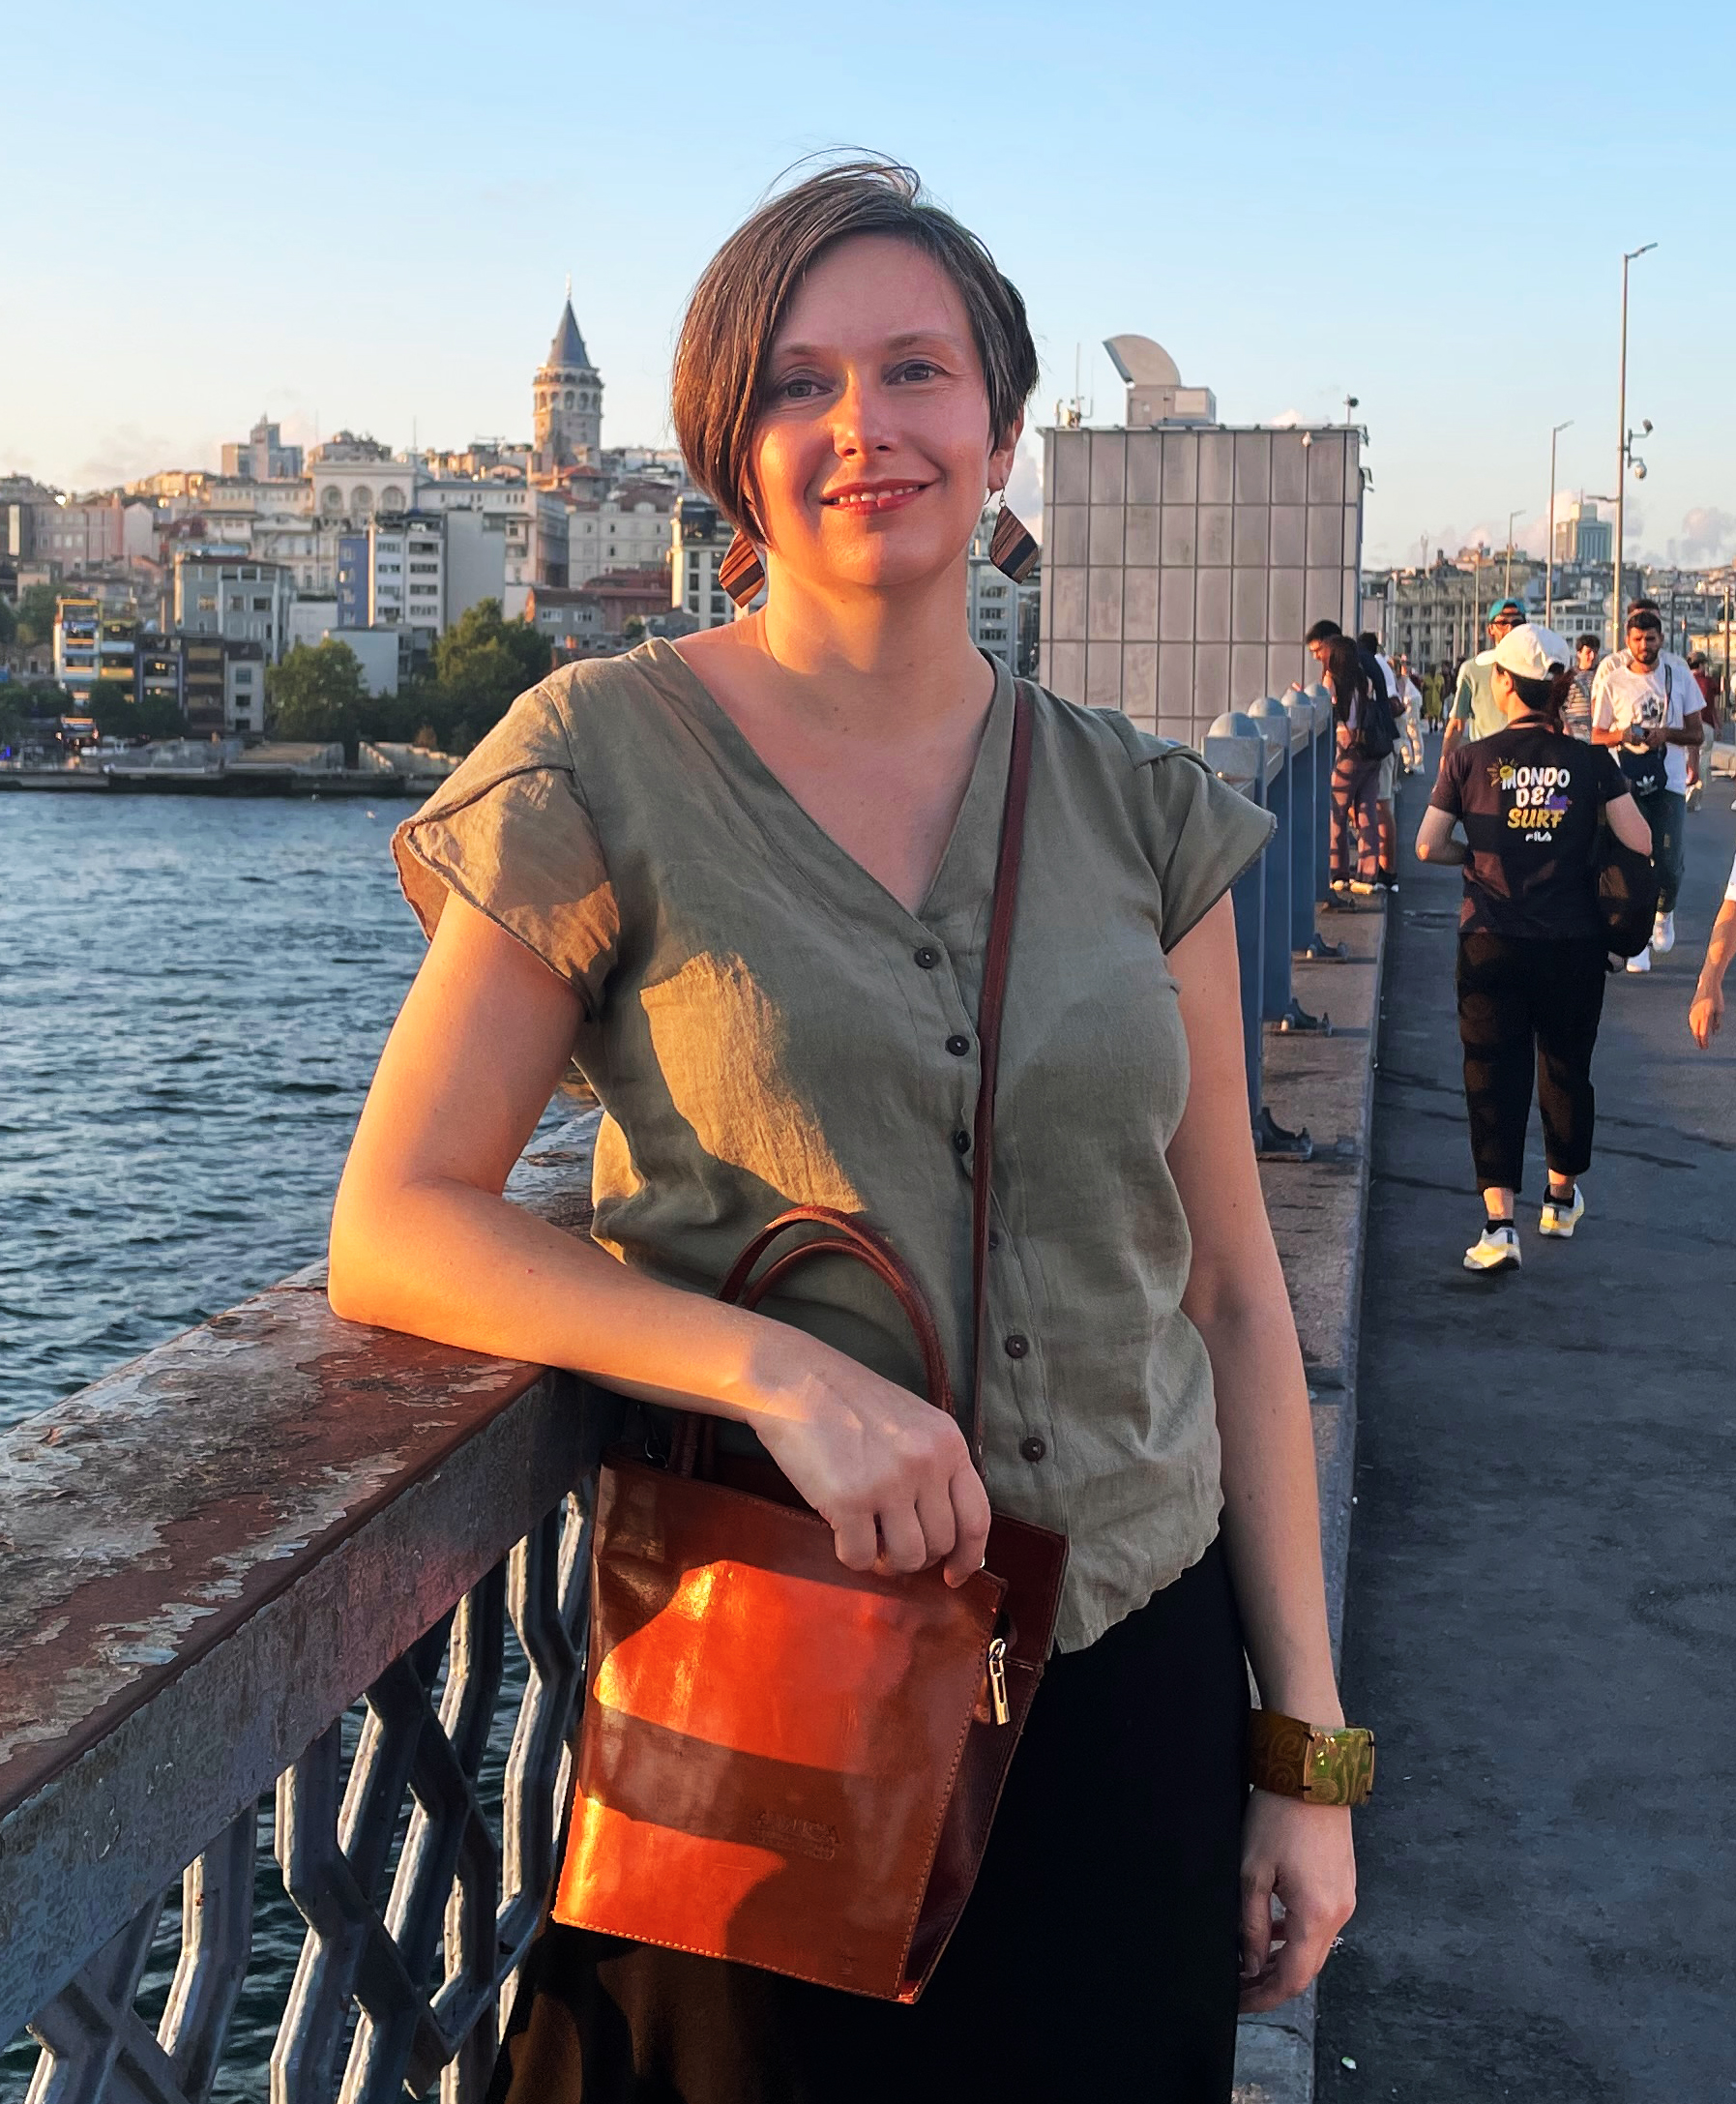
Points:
point(1070, 414)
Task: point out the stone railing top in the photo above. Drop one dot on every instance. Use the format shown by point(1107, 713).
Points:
point(147, 1517)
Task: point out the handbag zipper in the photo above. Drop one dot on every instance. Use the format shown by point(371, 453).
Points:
point(997, 1681)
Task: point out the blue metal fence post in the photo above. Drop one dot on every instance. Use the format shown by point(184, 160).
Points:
point(1305, 764)
point(1289, 795)
point(1325, 755)
point(1276, 1001)
point(1239, 753)
point(1235, 752)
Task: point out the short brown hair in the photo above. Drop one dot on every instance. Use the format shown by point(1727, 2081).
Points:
point(733, 316)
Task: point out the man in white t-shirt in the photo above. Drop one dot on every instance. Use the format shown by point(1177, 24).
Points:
point(1707, 1013)
point(1645, 701)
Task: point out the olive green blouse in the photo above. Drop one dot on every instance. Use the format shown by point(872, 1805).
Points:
point(765, 1026)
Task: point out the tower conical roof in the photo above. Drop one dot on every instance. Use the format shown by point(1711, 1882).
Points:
point(569, 347)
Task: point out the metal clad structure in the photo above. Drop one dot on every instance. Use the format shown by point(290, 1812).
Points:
point(1183, 564)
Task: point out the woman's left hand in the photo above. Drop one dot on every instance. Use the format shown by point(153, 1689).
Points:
point(1302, 1854)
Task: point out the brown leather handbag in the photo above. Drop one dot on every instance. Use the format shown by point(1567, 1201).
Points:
point(783, 1762)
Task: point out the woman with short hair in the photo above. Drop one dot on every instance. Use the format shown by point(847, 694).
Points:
point(1532, 958)
point(743, 879)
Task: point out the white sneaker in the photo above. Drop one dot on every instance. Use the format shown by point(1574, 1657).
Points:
point(1663, 933)
point(1495, 1249)
point(1642, 963)
point(1560, 1216)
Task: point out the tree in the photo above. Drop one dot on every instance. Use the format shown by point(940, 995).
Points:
point(9, 622)
point(317, 692)
point(36, 613)
point(157, 716)
point(482, 662)
point(112, 708)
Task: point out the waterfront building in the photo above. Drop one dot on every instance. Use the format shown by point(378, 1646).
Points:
point(1437, 615)
point(999, 610)
point(263, 456)
point(244, 689)
point(629, 529)
point(505, 537)
point(353, 478)
point(570, 615)
point(160, 669)
point(566, 400)
point(700, 538)
point(92, 643)
point(232, 596)
point(1184, 559)
point(406, 575)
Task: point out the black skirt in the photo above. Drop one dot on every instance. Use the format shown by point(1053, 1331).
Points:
point(1098, 1957)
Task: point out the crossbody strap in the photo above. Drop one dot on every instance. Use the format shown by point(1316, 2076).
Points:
point(1002, 909)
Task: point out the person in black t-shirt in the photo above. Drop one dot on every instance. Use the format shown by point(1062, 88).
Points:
point(1531, 954)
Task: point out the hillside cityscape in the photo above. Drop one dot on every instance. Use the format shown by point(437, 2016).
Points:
point(296, 604)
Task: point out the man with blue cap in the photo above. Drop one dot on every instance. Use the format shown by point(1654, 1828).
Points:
point(1475, 713)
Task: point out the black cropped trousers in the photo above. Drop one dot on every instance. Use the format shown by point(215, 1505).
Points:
point(1524, 1003)
point(1098, 1957)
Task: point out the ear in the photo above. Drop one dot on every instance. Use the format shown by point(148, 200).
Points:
point(1000, 460)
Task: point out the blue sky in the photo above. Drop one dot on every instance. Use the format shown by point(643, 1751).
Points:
point(363, 215)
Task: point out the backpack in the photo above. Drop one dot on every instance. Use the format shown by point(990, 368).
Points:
point(1628, 889)
point(1374, 733)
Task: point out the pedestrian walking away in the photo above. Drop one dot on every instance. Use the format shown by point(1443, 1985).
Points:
point(1705, 1018)
point(1433, 684)
point(1532, 958)
point(1363, 737)
point(1645, 704)
point(1475, 712)
point(768, 884)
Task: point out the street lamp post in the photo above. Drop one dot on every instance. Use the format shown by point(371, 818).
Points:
point(1549, 551)
point(1621, 457)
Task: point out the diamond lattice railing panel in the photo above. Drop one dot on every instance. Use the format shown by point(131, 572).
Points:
point(419, 1865)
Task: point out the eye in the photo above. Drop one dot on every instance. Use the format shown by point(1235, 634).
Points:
point(918, 368)
point(798, 387)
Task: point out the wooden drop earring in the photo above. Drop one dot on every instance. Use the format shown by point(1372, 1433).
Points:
point(742, 572)
point(1010, 547)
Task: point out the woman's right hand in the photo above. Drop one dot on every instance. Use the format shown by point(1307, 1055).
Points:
point(890, 1473)
point(1706, 1017)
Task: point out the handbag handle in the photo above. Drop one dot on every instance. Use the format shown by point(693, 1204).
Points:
point(848, 1235)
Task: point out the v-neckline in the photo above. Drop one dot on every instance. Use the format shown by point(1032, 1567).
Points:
point(978, 816)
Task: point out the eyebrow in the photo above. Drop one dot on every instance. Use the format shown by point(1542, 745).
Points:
point(891, 343)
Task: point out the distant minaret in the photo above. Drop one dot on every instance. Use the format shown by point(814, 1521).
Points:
point(567, 400)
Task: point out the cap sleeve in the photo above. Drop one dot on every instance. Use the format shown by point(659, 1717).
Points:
point(509, 833)
point(1204, 835)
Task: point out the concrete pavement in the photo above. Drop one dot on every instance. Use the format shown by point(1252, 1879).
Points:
point(1542, 1617)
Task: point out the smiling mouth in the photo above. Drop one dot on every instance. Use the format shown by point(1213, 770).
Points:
point(881, 497)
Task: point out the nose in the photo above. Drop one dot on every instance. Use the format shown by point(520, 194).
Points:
point(861, 423)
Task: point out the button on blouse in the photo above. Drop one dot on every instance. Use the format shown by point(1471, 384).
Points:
point(757, 1034)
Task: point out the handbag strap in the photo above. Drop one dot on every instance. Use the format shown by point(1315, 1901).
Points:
point(990, 1005)
point(847, 1235)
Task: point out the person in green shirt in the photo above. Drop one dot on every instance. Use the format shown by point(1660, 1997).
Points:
point(1475, 713)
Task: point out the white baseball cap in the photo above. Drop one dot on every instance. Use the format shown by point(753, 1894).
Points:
point(1532, 651)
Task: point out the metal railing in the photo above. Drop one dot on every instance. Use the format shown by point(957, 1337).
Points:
point(285, 1554)
point(1279, 756)
point(268, 1578)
